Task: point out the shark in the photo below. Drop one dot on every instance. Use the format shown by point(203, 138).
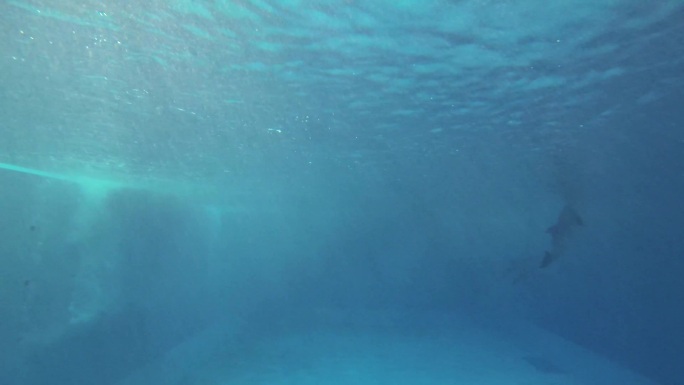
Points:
point(567, 223)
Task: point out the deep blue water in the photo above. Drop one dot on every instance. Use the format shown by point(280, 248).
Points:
point(341, 192)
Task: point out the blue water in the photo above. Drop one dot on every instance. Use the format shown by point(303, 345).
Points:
point(341, 192)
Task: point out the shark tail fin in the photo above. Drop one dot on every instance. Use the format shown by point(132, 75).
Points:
point(546, 261)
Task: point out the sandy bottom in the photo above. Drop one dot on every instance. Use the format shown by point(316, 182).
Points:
point(451, 351)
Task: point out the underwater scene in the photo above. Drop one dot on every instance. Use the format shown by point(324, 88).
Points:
point(333, 192)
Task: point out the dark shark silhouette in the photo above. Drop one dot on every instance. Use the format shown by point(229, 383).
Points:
point(568, 221)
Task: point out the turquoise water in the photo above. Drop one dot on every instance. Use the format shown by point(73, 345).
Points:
point(275, 191)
